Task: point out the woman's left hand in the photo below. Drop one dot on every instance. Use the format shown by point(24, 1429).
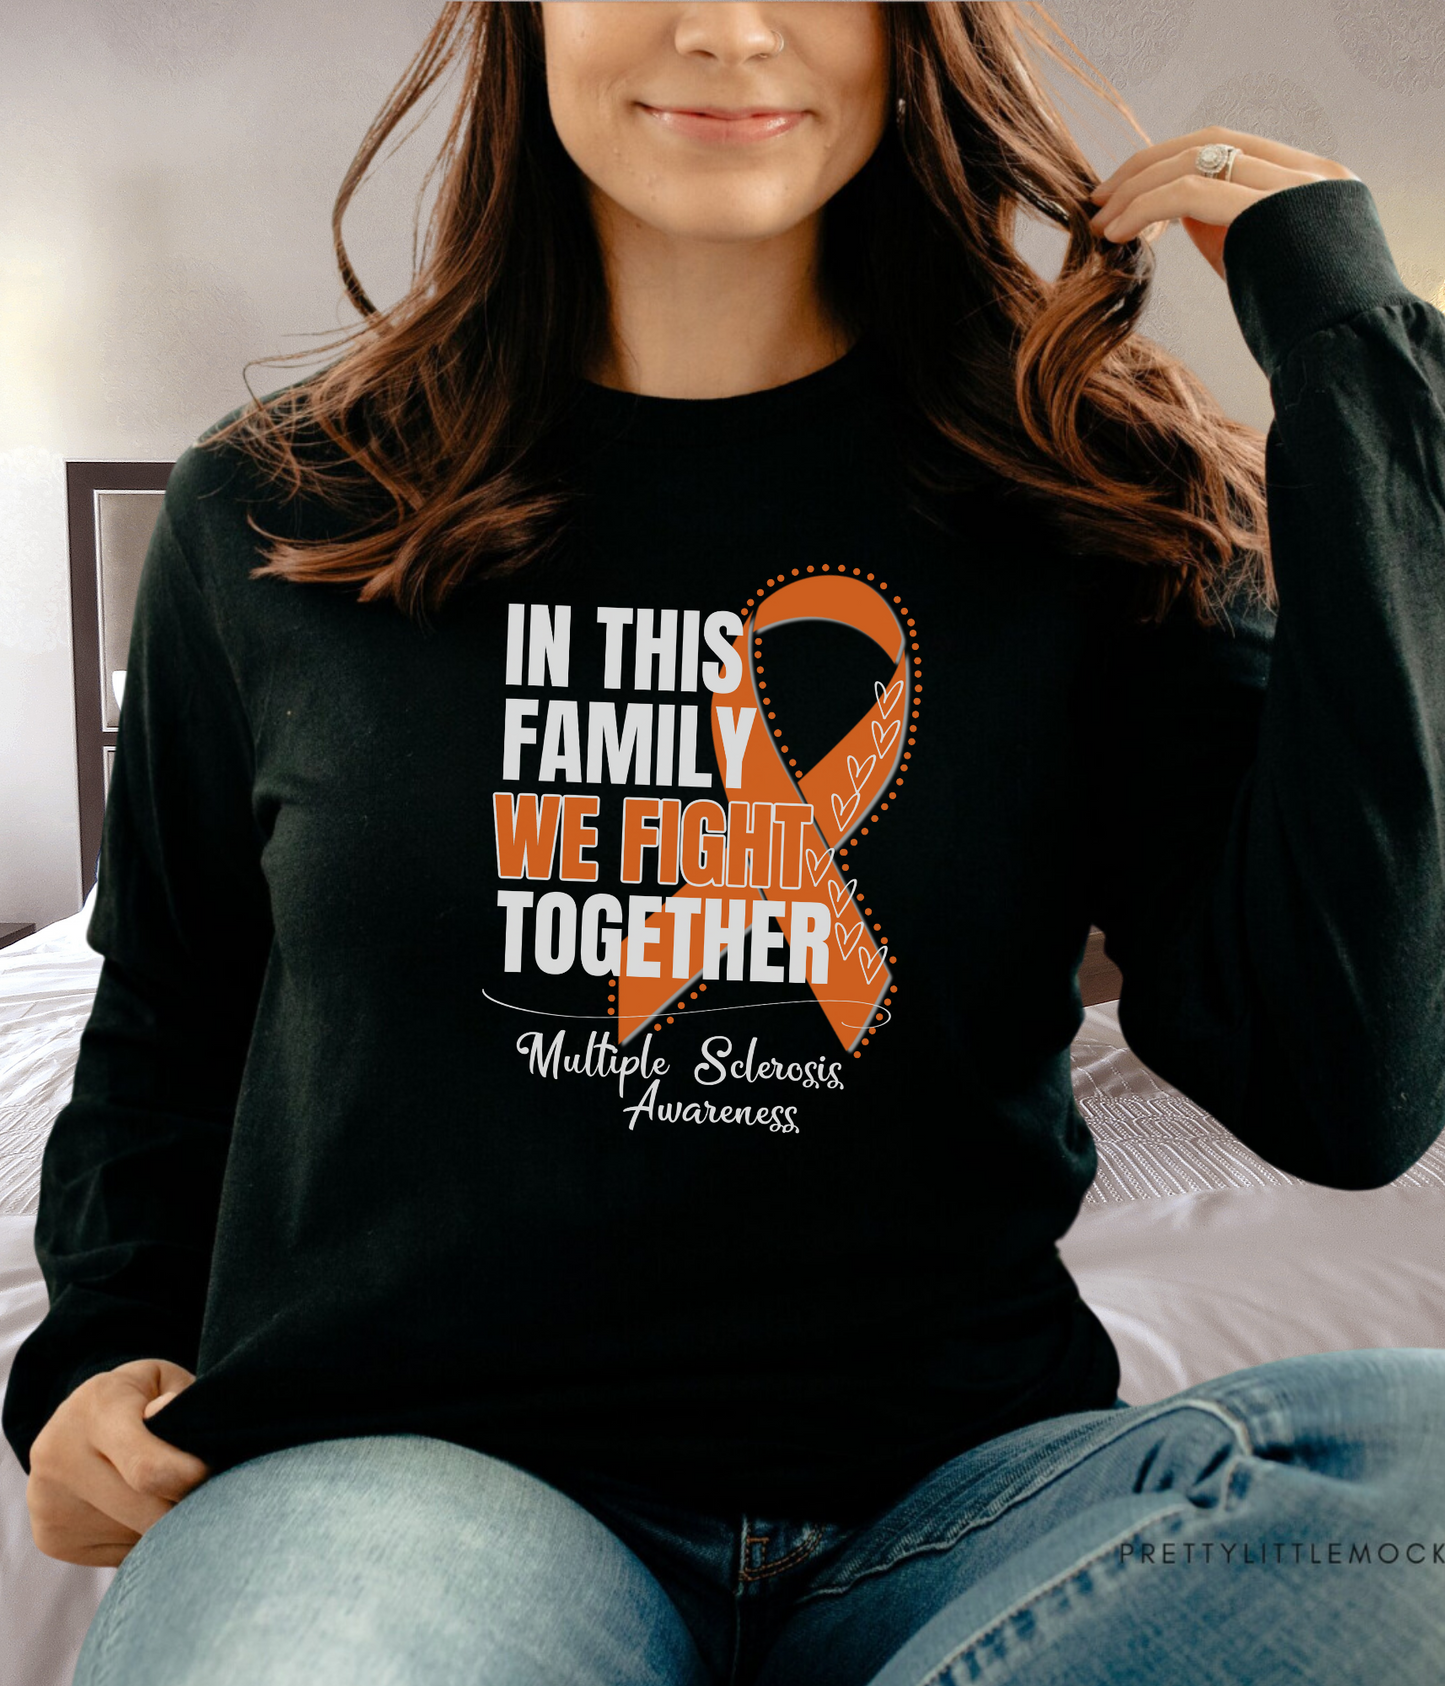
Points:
point(1159, 183)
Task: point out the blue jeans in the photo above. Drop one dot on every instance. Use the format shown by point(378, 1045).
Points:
point(1282, 1523)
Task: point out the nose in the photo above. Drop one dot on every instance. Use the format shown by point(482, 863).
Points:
point(731, 31)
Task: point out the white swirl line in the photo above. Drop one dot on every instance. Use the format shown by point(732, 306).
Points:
point(697, 1012)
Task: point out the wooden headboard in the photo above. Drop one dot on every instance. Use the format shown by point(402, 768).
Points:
point(1099, 978)
point(113, 507)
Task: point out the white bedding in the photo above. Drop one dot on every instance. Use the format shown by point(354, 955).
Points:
point(1198, 1257)
point(47, 982)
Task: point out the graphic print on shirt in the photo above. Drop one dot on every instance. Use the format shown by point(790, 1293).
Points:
point(747, 884)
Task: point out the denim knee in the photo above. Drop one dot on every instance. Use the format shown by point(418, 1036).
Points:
point(1359, 1414)
point(388, 1558)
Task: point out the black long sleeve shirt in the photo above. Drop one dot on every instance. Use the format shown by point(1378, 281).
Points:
point(623, 1026)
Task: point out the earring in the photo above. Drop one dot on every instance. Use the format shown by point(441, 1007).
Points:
point(901, 108)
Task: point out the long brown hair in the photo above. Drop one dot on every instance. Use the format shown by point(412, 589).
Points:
point(441, 407)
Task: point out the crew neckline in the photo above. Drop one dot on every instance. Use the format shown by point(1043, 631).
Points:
point(649, 419)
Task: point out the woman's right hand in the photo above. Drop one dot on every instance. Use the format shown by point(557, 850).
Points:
point(98, 1476)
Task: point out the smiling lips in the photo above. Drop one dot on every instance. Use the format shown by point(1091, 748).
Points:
point(710, 123)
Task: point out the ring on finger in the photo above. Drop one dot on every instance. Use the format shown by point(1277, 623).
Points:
point(1216, 160)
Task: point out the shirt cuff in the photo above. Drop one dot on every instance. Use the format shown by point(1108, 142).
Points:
point(1306, 258)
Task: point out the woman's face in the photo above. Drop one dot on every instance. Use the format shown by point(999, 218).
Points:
point(627, 78)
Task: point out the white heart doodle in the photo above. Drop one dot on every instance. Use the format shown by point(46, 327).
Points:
point(871, 962)
point(841, 894)
point(859, 772)
point(848, 936)
point(888, 700)
point(886, 739)
point(818, 864)
point(843, 811)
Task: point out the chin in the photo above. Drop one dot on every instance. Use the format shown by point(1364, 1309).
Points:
point(746, 215)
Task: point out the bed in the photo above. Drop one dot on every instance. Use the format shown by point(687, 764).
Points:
point(1198, 1257)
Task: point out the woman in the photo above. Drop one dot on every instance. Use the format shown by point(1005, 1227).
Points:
point(565, 1162)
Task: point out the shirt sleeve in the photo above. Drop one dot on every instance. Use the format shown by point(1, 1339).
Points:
point(1268, 864)
point(132, 1168)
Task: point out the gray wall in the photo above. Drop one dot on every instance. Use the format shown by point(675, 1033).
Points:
point(164, 215)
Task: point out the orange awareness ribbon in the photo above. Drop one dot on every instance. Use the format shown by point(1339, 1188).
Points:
point(840, 790)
